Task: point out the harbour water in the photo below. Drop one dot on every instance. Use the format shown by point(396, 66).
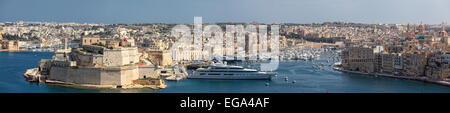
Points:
point(308, 80)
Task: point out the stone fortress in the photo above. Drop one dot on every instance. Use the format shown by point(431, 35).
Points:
point(100, 62)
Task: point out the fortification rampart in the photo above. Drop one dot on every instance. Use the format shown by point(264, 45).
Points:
point(95, 75)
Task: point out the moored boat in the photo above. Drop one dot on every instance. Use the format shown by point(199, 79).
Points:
point(222, 71)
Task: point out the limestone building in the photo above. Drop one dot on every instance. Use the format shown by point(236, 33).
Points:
point(387, 63)
point(438, 65)
point(414, 63)
point(359, 59)
point(96, 62)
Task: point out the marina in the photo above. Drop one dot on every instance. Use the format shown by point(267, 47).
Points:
point(301, 54)
point(308, 79)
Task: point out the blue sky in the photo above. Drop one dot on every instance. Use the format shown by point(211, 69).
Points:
point(266, 11)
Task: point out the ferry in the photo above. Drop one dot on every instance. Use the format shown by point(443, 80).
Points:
point(226, 72)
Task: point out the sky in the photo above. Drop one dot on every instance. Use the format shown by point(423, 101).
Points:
point(263, 11)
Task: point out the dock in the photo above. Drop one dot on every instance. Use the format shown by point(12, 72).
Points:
point(179, 72)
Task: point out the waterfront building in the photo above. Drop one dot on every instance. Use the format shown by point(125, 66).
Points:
point(378, 50)
point(359, 59)
point(438, 65)
point(388, 60)
point(10, 45)
point(398, 63)
point(378, 64)
point(414, 63)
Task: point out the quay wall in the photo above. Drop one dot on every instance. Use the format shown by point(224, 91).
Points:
point(148, 72)
point(423, 79)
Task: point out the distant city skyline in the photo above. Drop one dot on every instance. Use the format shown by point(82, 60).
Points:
point(212, 11)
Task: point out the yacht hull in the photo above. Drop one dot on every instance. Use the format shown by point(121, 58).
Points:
point(224, 76)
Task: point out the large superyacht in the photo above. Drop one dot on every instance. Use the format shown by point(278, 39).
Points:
point(223, 71)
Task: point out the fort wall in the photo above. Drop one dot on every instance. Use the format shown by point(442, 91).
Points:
point(94, 75)
point(75, 75)
point(148, 72)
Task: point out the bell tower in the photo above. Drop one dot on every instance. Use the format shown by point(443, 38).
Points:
point(421, 29)
point(443, 32)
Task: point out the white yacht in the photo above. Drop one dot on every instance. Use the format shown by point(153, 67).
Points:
point(222, 71)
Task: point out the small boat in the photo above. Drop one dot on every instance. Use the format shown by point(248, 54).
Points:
point(33, 75)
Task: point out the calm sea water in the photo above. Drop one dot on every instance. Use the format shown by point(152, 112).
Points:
point(308, 80)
